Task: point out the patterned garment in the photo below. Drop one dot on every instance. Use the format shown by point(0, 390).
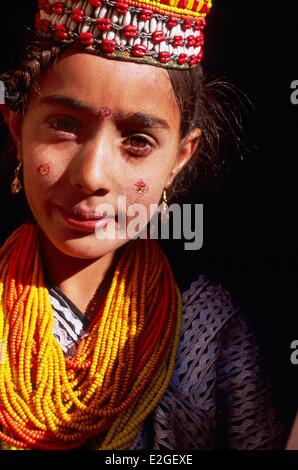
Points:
point(70, 324)
point(218, 396)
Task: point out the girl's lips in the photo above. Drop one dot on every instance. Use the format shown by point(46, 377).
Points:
point(84, 224)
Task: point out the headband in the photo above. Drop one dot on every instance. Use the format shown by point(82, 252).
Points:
point(167, 33)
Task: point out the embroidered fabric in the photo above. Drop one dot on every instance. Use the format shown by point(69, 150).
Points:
point(218, 396)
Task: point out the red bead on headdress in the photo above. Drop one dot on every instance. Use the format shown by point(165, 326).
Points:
point(168, 33)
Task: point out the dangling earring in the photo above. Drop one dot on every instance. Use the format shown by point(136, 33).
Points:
point(16, 185)
point(164, 211)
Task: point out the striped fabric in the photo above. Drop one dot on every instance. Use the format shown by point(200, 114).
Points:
point(70, 324)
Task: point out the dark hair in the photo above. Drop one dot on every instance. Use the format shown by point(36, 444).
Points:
point(211, 105)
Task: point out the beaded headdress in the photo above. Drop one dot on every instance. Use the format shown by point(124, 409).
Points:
point(167, 33)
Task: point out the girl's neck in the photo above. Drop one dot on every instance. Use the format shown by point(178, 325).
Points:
point(78, 278)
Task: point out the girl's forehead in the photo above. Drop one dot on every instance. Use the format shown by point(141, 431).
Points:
point(92, 71)
point(101, 82)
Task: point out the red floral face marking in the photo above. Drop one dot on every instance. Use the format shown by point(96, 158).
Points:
point(104, 113)
point(43, 169)
point(141, 187)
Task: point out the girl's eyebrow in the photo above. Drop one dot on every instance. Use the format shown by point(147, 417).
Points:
point(131, 118)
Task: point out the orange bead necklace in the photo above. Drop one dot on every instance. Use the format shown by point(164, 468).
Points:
point(121, 368)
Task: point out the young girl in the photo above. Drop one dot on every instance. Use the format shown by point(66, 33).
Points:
point(99, 348)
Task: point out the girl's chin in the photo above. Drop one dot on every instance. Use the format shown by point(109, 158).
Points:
point(86, 246)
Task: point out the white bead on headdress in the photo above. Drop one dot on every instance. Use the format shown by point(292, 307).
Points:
point(167, 33)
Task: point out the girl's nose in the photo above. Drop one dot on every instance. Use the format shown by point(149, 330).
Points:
point(90, 170)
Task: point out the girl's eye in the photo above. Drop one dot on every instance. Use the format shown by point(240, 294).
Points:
point(65, 125)
point(138, 145)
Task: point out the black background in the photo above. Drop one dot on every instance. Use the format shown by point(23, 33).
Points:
point(249, 211)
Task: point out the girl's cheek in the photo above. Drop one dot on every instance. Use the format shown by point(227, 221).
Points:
point(141, 187)
point(41, 173)
point(139, 191)
point(43, 169)
point(41, 166)
point(136, 191)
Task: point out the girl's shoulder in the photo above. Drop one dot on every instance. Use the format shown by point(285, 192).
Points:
point(216, 337)
point(219, 395)
point(208, 310)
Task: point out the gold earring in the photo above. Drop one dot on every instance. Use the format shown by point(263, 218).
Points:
point(164, 212)
point(16, 185)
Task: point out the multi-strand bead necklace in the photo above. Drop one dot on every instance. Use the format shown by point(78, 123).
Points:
point(121, 368)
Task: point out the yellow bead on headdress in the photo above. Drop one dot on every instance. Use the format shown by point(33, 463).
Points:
point(167, 33)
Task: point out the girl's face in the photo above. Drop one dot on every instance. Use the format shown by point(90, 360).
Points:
point(98, 129)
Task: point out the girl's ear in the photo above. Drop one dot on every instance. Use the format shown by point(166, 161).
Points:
point(13, 121)
point(187, 148)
